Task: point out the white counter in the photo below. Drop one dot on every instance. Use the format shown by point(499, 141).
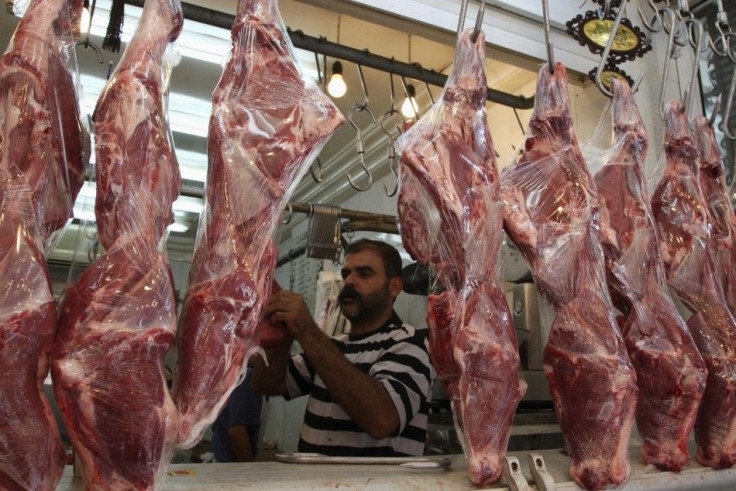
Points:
point(276, 475)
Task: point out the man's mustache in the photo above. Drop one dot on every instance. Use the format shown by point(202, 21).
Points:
point(348, 292)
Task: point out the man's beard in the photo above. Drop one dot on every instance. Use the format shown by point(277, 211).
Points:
point(364, 308)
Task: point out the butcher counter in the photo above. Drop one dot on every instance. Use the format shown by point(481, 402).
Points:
point(278, 475)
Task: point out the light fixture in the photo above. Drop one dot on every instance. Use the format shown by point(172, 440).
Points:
point(410, 108)
point(336, 87)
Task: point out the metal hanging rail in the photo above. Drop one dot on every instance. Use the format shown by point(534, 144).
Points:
point(360, 57)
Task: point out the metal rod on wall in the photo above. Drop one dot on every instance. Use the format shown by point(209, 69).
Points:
point(359, 57)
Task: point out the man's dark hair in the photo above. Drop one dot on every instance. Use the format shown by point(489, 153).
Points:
point(388, 253)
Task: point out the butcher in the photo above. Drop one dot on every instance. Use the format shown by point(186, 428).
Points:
point(369, 390)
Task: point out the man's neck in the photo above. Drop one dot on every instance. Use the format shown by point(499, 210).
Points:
point(371, 325)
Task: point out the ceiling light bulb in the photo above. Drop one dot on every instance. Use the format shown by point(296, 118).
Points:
point(410, 108)
point(336, 87)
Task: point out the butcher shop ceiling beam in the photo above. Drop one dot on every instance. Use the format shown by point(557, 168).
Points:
point(360, 57)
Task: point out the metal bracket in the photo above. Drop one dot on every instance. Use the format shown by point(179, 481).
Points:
point(538, 468)
point(513, 475)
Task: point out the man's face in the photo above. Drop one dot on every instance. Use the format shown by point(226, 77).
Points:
point(367, 292)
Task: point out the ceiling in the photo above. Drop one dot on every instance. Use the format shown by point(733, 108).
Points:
point(203, 49)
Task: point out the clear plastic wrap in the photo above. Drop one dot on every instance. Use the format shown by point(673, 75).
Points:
point(670, 371)
point(450, 216)
point(681, 215)
point(267, 125)
point(41, 144)
point(721, 216)
point(119, 319)
point(41, 111)
point(552, 214)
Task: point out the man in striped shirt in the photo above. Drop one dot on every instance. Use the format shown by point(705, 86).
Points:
point(369, 391)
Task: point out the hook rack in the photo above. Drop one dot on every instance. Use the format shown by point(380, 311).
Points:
point(335, 50)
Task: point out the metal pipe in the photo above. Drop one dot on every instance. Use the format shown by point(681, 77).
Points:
point(359, 57)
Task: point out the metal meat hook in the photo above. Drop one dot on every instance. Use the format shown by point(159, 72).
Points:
point(360, 144)
point(724, 32)
point(319, 176)
point(655, 25)
point(391, 150)
point(670, 48)
point(700, 37)
point(727, 111)
point(95, 48)
point(478, 19)
point(548, 37)
point(607, 50)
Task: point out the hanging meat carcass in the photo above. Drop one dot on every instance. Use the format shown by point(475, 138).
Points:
point(119, 319)
point(41, 142)
point(552, 214)
point(670, 371)
point(681, 215)
point(450, 216)
point(721, 216)
point(267, 124)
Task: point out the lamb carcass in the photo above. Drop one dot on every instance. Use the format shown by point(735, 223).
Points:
point(267, 125)
point(681, 215)
point(40, 175)
point(450, 216)
point(552, 214)
point(119, 319)
point(670, 371)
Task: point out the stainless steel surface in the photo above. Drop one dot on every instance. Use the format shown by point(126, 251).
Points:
point(316, 458)
point(275, 475)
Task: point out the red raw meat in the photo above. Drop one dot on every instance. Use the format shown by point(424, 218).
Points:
point(119, 319)
point(40, 175)
point(670, 371)
point(31, 452)
point(267, 125)
point(41, 118)
point(681, 214)
point(721, 216)
point(450, 216)
point(552, 214)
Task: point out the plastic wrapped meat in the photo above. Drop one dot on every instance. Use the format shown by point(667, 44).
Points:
point(40, 145)
point(450, 216)
point(40, 119)
point(721, 216)
point(681, 215)
point(119, 319)
point(267, 125)
point(670, 371)
point(552, 214)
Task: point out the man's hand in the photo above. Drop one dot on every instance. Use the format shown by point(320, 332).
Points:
point(290, 308)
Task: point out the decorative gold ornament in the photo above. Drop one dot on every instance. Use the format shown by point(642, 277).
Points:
point(610, 72)
point(594, 31)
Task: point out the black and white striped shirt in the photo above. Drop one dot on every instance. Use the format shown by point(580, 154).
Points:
point(396, 355)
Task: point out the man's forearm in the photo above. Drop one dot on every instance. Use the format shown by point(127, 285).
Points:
point(363, 398)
